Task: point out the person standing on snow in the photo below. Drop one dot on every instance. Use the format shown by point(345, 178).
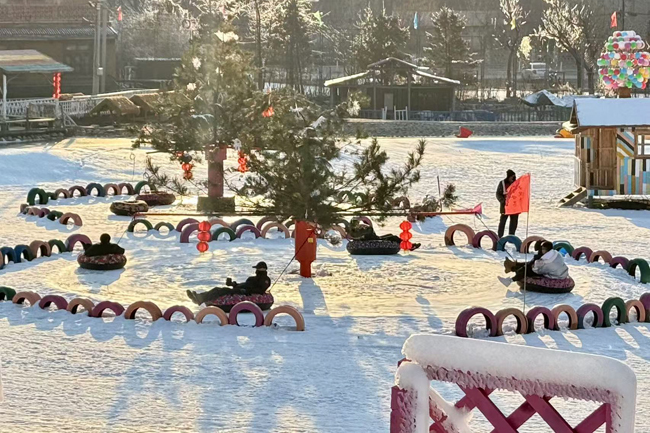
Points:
point(502, 192)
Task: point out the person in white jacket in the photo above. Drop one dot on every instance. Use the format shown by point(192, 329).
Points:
point(550, 265)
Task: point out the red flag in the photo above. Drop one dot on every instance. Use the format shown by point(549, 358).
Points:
point(518, 196)
point(119, 13)
point(614, 21)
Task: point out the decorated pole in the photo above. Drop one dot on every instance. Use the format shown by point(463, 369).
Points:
point(623, 64)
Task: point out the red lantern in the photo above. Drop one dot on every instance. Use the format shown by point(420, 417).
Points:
point(188, 175)
point(243, 167)
point(405, 236)
point(405, 226)
point(205, 226)
point(187, 167)
point(268, 112)
point(204, 236)
point(202, 247)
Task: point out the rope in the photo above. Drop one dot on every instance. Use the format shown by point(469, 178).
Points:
point(288, 264)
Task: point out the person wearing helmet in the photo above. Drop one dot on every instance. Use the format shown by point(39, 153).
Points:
point(255, 285)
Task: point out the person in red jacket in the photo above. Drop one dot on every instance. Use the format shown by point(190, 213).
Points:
point(502, 193)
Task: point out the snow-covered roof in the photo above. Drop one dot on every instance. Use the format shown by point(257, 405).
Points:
point(436, 77)
point(342, 80)
point(622, 112)
point(544, 97)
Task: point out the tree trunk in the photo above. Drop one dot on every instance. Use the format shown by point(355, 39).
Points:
point(591, 81)
point(579, 73)
point(258, 43)
point(509, 76)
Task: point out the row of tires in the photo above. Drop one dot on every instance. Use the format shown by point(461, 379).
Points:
point(52, 215)
point(526, 322)
point(475, 239)
point(40, 196)
point(30, 252)
point(78, 305)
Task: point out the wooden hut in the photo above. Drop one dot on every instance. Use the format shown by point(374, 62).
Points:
point(116, 107)
point(147, 102)
point(612, 146)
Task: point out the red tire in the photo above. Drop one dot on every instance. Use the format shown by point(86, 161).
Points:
point(246, 306)
point(57, 300)
point(449, 234)
point(570, 311)
point(116, 308)
point(73, 306)
point(189, 315)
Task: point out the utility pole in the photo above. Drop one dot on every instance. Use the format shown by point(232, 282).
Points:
point(623, 17)
point(96, 48)
point(104, 34)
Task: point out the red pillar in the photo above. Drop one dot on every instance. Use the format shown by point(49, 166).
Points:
point(305, 247)
point(215, 160)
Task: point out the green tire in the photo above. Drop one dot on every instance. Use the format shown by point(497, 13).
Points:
point(101, 192)
point(221, 230)
point(142, 184)
point(559, 246)
point(607, 308)
point(7, 293)
point(42, 196)
point(59, 244)
point(134, 223)
point(643, 267)
point(160, 225)
point(54, 215)
point(24, 252)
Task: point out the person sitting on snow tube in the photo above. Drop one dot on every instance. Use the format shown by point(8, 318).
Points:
point(547, 273)
point(104, 256)
point(103, 248)
point(521, 270)
point(257, 285)
point(364, 232)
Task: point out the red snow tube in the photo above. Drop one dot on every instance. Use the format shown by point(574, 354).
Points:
point(548, 285)
point(226, 302)
point(108, 262)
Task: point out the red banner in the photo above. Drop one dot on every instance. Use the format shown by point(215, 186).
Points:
point(518, 196)
point(614, 21)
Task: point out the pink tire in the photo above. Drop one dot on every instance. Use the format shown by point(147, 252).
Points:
point(23, 208)
point(525, 245)
point(112, 187)
point(522, 321)
point(449, 234)
point(59, 301)
point(74, 239)
point(596, 255)
point(43, 212)
point(61, 191)
point(187, 232)
point(465, 316)
point(76, 219)
point(285, 309)
point(183, 223)
point(43, 247)
point(620, 261)
point(129, 188)
point(77, 188)
point(640, 310)
point(247, 306)
point(116, 308)
point(573, 316)
point(87, 304)
point(247, 228)
point(582, 251)
point(203, 313)
point(33, 211)
point(645, 300)
point(280, 227)
point(31, 297)
point(178, 309)
point(590, 308)
point(549, 318)
point(215, 221)
point(266, 219)
point(476, 240)
point(152, 308)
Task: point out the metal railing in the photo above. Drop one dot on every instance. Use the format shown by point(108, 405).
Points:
point(513, 115)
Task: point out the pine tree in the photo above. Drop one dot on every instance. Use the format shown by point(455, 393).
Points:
point(379, 36)
point(446, 44)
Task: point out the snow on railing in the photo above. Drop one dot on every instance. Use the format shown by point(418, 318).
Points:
point(481, 367)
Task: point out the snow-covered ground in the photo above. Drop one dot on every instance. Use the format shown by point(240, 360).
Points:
point(71, 373)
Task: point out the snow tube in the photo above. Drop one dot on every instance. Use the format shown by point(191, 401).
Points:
point(286, 309)
point(622, 261)
point(72, 241)
point(570, 312)
point(246, 306)
point(476, 241)
point(57, 300)
point(160, 225)
point(510, 239)
point(221, 230)
point(142, 184)
point(596, 255)
point(87, 304)
point(31, 297)
point(54, 215)
point(373, 248)
point(280, 227)
point(549, 318)
point(226, 302)
point(559, 246)
point(7, 293)
point(187, 232)
point(80, 189)
point(522, 321)
point(183, 223)
point(223, 318)
point(152, 308)
point(43, 247)
point(590, 308)
point(76, 219)
point(58, 192)
point(449, 234)
point(135, 222)
point(9, 254)
point(548, 285)
point(525, 245)
point(640, 310)
point(108, 262)
point(23, 252)
point(57, 243)
point(95, 187)
point(129, 208)
point(33, 193)
point(157, 198)
point(240, 222)
point(643, 267)
point(607, 308)
point(116, 308)
point(111, 187)
point(579, 252)
point(247, 228)
point(129, 189)
point(464, 317)
point(178, 309)
point(264, 220)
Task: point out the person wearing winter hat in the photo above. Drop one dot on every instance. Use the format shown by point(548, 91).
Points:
point(502, 193)
point(256, 285)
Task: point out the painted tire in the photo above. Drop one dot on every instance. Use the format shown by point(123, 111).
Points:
point(640, 310)
point(135, 222)
point(54, 215)
point(23, 208)
point(43, 212)
point(559, 246)
point(643, 267)
point(607, 308)
point(57, 243)
point(449, 234)
point(363, 219)
point(76, 219)
point(95, 187)
point(246, 306)
point(525, 245)
point(214, 221)
point(247, 228)
point(582, 251)
point(58, 192)
point(221, 230)
point(23, 252)
point(129, 188)
point(160, 225)
point(601, 254)
point(43, 247)
point(240, 222)
point(57, 300)
point(465, 316)
point(402, 203)
point(549, 318)
point(142, 184)
point(476, 242)
point(111, 187)
point(340, 230)
point(286, 309)
point(77, 188)
point(283, 229)
point(178, 309)
point(590, 308)
point(87, 304)
point(116, 308)
point(72, 241)
point(339, 222)
point(37, 192)
point(623, 262)
point(187, 232)
point(510, 239)
point(645, 300)
point(21, 297)
point(152, 308)
point(9, 253)
point(223, 318)
point(264, 220)
point(570, 311)
point(7, 293)
point(32, 211)
point(183, 223)
point(522, 321)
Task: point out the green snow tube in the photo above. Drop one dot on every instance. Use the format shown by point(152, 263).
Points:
point(643, 267)
point(559, 246)
point(42, 196)
point(134, 223)
point(607, 308)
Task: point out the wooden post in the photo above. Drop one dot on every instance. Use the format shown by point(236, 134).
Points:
point(215, 171)
point(408, 90)
point(624, 92)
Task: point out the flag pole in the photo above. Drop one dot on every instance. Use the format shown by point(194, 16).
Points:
point(526, 250)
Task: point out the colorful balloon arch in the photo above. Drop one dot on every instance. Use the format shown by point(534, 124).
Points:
point(624, 64)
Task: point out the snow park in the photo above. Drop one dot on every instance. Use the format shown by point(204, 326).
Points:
point(239, 244)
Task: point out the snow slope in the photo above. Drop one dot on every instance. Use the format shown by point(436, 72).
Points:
point(71, 373)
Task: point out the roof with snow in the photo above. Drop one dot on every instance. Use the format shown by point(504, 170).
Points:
point(544, 97)
point(30, 62)
point(609, 113)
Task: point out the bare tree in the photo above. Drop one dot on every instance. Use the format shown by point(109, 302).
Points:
point(509, 33)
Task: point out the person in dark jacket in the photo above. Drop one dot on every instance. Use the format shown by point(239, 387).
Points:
point(104, 247)
point(257, 285)
point(502, 192)
point(364, 232)
point(524, 269)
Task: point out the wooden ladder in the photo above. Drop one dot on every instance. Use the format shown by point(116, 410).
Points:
point(573, 198)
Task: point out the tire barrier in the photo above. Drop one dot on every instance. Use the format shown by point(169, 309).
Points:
point(607, 308)
point(214, 221)
point(23, 252)
point(246, 306)
point(152, 308)
point(134, 223)
point(160, 225)
point(31, 297)
point(476, 242)
point(645, 300)
point(129, 189)
point(187, 232)
point(95, 187)
point(99, 309)
point(240, 222)
point(37, 192)
point(264, 220)
point(76, 219)
point(643, 267)
point(340, 230)
point(58, 244)
point(43, 212)
point(7, 293)
point(633, 304)
point(183, 223)
point(247, 228)
point(111, 187)
point(189, 316)
point(525, 245)
point(559, 246)
point(23, 208)
point(571, 314)
point(8, 254)
point(549, 318)
point(59, 301)
point(286, 309)
point(582, 251)
point(43, 247)
point(87, 304)
point(78, 188)
point(63, 193)
point(622, 261)
point(287, 234)
point(58, 192)
point(402, 203)
point(32, 211)
point(465, 316)
point(74, 239)
point(221, 315)
point(449, 234)
point(218, 232)
point(142, 184)
point(602, 254)
point(522, 321)
point(53, 215)
point(590, 308)
point(510, 239)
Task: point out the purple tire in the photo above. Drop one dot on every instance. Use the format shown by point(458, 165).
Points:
point(187, 232)
point(582, 251)
point(129, 189)
point(622, 261)
point(247, 228)
point(476, 242)
point(549, 318)
point(645, 300)
point(586, 309)
point(72, 241)
point(107, 305)
point(186, 221)
point(178, 309)
point(261, 222)
point(246, 306)
point(57, 300)
point(465, 316)
point(78, 188)
point(43, 212)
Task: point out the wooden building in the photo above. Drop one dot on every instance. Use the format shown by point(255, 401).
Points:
point(612, 145)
